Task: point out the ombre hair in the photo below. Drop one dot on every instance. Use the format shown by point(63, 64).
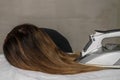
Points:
point(29, 47)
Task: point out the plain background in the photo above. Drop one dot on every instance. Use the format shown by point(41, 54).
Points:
point(75, 19)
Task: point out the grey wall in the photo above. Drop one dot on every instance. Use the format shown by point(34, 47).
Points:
point(75, 19)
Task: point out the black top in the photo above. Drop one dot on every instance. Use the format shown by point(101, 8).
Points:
point(59, 40)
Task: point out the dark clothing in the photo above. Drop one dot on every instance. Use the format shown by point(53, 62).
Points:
point(59, 40)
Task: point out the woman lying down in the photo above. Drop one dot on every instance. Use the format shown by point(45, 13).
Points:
point(30, 54)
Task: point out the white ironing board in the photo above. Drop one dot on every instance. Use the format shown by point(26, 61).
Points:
point(8, 72)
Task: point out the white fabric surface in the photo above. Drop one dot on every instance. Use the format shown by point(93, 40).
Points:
point(8, 72)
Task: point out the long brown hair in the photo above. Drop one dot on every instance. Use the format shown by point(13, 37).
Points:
point(29, 47)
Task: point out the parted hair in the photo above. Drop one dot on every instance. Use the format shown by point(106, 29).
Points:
point(29, 47)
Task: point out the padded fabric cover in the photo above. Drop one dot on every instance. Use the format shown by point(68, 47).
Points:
point(8, 72)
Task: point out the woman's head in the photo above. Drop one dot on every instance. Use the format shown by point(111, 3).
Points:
point(29, 47)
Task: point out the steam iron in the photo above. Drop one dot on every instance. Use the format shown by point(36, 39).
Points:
point(94, 53)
